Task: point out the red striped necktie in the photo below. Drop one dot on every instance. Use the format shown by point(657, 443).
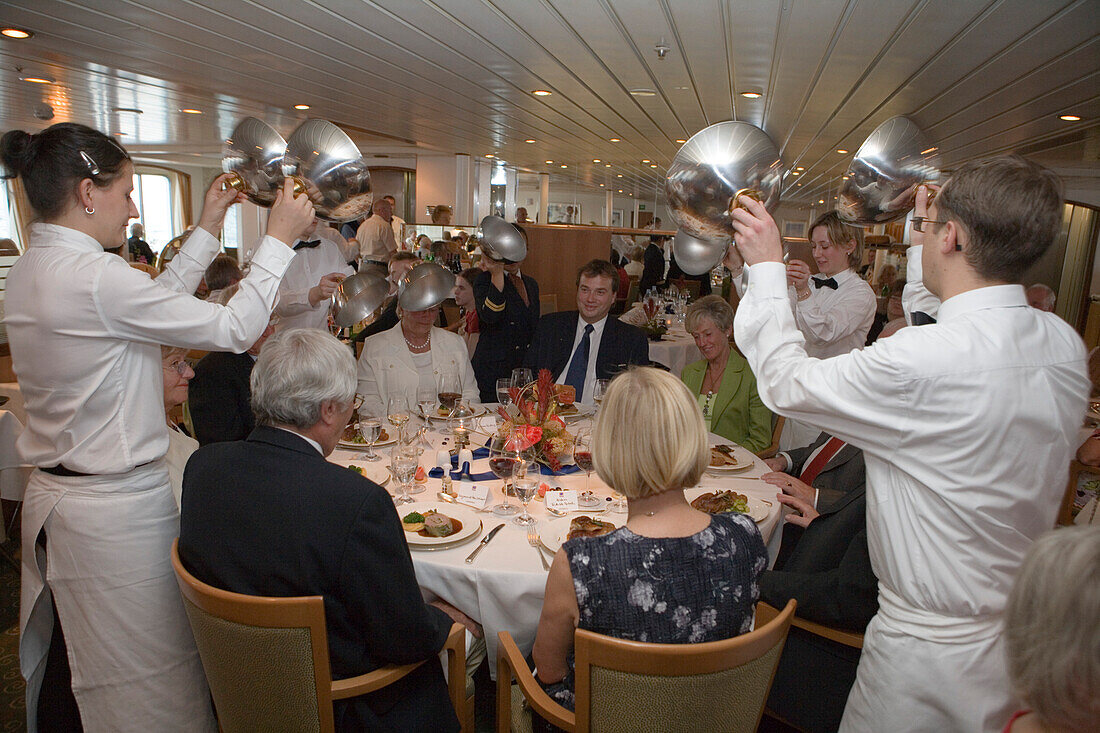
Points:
point(830, 449)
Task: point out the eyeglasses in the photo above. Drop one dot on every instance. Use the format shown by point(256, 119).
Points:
point(179, 365)
point(920, 221)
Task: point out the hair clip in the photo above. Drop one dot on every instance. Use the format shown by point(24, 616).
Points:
point(92, 167)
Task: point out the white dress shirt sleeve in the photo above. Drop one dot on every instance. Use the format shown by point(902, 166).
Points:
point(135, 308)
point(829, 320)
point(859, 397)
point(186, 269)
point(915, 297)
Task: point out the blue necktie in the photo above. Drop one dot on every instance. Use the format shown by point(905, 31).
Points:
point(578, 367)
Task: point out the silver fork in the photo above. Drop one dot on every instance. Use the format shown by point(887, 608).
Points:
point(533, 539)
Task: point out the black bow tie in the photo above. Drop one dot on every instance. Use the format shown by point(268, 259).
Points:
point(824, 282)
point(307, 245)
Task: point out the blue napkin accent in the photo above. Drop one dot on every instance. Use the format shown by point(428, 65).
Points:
point(565, 470)
point(463, 473)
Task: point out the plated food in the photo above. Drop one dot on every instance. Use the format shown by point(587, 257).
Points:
point(722, 461)
point(431, 525)
point(353, 440)
point(585, 526)
point(716, 502)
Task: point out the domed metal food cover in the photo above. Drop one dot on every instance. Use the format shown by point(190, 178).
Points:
point(695, 256)
point(360, 297)
point(500, 240)
point(425, 286)
point(334, 171)
point(254, 154)
point(885, 173)
point(712, 168)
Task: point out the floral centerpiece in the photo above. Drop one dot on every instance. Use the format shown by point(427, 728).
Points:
point(655, 325)
point(533, 420)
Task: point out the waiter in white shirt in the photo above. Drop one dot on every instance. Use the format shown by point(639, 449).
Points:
point(834, 309)
point(396, 223)
point(375, 236)
point(99, 516)
point(314, 274)
point(941, 413)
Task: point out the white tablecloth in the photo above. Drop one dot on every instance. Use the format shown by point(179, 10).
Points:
point(503, 588)
point(675, 350)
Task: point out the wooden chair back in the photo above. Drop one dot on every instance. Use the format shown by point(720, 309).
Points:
point(777, 430)
point(632, 291)
point(625, 685)
point(267, 663)
point(148, 269)
point(765, 613)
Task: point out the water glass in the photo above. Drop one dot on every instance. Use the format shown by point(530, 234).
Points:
point(397, 411)
point(370, 427)
point(503, 387)
point(526, 488)
point(403, 462)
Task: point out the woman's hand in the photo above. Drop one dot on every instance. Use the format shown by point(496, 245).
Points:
point(798, 277)
point(325, 287)
point(217, 201)
point(290, 215)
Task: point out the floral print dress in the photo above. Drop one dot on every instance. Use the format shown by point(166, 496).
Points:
point(672, 590)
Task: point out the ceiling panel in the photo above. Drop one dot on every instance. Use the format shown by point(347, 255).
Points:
point(455, 76)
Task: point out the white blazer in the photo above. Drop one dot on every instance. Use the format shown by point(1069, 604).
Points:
point(386, 367)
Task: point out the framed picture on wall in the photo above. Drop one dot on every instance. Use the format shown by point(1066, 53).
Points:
point(616, 217)
point(563, 213)
point(794, 229)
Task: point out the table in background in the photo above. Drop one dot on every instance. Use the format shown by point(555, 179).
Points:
point(503, 588)
point(13, 473)
point(675, 350)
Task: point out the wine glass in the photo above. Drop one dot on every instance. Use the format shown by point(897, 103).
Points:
point(503, 386)
point(504, 459)
point(403, 462)
point(397, 411)
point(599, 390)
point(370, 427)
point(521, 377)
point(582, 456)
point(425, 403)
point(526, 488)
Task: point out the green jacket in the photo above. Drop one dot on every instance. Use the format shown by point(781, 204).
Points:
point(737, 413)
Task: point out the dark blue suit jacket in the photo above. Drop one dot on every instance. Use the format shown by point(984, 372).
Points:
point(219, 397)
point(270, 516)
point(552, 345)
point(506, 325)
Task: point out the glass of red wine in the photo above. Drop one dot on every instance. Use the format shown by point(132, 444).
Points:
point(504, 461)
point(582, 456)
point(450, 393)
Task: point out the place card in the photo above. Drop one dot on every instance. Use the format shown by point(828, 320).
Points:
point(472, 494)
point(562, 500)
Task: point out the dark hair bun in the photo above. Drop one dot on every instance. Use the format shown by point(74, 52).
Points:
point(16, 150)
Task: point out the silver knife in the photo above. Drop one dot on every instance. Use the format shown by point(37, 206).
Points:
point(481, 545)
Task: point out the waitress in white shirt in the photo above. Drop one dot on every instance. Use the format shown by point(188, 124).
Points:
point(834, 309)
point(99, 516)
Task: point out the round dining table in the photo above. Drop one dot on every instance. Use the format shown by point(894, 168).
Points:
point(675, 350)
point(502, 589)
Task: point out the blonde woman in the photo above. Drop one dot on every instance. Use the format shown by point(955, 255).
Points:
point(673, 574)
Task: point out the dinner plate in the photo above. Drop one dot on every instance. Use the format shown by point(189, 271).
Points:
point(376, 471)
point(556, 530)
point(732, 469)
point(471, 525)
point(758, 508)
point(362, 447)
point(478, 411)
point(582, 412)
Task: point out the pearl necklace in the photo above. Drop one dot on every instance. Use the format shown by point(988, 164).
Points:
point(415, 347)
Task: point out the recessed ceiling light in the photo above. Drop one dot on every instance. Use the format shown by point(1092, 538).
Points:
point(821, 201)
point(842, 151)
point(490, 155)
point(800, 168)
point(37, 79)
point(929, 150)
point(1070, 118)
point(16, 33)
point(652, 165)
point(529, 140)
point(541, 93)
point(795, 173)
point(595, 160)
point(615, 139)
point(620, 190)
point(606, 165)
point(563, 165)
point(301, 106)
point(549, 162)
point(643, 92)
point(645, 160)
point(751, 95)
point(134, 110)
point(191, 111)
point(798, 184)
point(681, 142)
point(601, 185)
point(618, 175)
point(844, 178)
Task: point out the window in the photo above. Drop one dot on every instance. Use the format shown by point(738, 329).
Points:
point(156, 208)
point(231, 230)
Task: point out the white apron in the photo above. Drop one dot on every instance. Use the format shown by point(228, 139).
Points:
point(926, 672)
point(133, 658)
